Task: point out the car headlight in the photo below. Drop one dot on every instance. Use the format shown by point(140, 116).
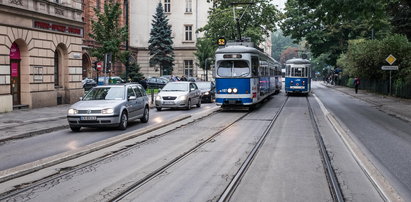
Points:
point(107, 111)
point(207, 93)
point(235, 90)
point(72, 111)
point(158, 97)
point(182, 97)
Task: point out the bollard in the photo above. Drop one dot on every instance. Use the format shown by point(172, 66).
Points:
point(152, 95)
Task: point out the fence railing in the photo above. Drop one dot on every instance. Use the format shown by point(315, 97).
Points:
point(402, 90)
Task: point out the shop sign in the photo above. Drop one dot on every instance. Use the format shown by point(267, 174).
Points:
point(14, 69)
point(58, 27)
point(14, 52)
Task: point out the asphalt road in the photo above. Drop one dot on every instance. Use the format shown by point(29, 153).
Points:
point(385, 139)
point(21, 151)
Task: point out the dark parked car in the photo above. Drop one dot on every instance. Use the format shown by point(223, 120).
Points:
point(109, 106)
point(156, 82)
point(88, 83)
point(207, 89)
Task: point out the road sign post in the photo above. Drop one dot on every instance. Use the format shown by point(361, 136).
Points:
point(390, 59)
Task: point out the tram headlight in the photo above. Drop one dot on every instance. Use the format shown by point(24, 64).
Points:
point(229, 90)
point(235, 90)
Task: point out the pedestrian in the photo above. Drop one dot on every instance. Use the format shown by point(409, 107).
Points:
point(356, 84)
point(143, 82)
point(183, 78)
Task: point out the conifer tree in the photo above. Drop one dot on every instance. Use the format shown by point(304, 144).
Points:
point(160, 48)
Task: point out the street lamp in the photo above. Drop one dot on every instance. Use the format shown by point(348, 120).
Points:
point(205, 67)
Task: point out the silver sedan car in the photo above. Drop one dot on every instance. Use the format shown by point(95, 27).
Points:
point(110, 106)
point(178, 95)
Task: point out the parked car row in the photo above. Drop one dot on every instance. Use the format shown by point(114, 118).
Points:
point(117, 104)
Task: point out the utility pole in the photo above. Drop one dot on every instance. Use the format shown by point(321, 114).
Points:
point(127, 41)
point(234, 4)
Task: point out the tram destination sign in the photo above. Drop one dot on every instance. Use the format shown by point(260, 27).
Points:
point(389, 68)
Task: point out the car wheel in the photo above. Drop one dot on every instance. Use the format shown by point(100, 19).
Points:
point(75, 128)
point(199, 103)
point(158, 108)
point(123, 121)
point(189, 105)
point(146, 115)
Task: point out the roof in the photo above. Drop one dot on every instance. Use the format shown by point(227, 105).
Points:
point(298, 61)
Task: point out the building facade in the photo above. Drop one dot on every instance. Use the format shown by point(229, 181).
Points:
point(185, 17)
point(40, 53)
point(89, 43)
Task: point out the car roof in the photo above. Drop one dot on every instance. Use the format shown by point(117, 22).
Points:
point(119, 85)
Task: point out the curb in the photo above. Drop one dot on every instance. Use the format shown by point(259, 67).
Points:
point(28, 168)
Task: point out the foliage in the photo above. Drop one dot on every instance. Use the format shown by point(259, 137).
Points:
point(289, 53)
point(106, 31)
point(279, 44)
point(327, 25)
point(205, 49)
point(400, 12)
point(161, 43)
point(257, 21)
point(364, 58)
point(134, 74)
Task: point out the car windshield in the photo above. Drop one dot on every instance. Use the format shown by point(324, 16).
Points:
point(204, 85)
point(105, 93)
point(175, 87)
point(233, 68)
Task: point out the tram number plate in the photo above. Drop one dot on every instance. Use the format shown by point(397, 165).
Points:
point(87, 118)
point(231, 102)
point(168, 102)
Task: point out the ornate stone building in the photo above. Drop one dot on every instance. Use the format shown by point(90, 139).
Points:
point(185, 17)
point(40, 53)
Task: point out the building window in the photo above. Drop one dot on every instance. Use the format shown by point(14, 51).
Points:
point(188, 32)
point(188, 68)
point(98, 5)
point(189, 5)
point(167, 6)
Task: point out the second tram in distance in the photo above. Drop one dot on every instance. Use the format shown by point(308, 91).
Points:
point(244, 75)
point(298, 76)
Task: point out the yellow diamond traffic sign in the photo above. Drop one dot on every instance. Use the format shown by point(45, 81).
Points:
point(390, 59)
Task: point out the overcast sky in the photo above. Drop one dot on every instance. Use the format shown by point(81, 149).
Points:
point(280, 3)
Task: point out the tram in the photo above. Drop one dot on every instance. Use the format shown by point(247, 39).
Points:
point(244, 75)
point(298, 76)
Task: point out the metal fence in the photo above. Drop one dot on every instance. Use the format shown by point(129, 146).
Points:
point(402, 90)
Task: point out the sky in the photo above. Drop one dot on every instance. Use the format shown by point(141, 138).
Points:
point(280, 3)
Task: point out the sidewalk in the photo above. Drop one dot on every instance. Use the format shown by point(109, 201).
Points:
point(397, 107)
point(29, 122)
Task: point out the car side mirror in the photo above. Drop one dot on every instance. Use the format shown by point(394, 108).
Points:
point(132, 98)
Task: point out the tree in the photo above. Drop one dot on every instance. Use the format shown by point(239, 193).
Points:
point(279, 44)
point(134, 73)
point(327, 25)
point(107, 33)
point(161, 42)
point(258, 20)
point(205, 51)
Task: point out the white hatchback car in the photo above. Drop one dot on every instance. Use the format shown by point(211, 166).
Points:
point(180, 94)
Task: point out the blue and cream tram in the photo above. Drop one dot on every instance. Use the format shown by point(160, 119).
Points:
point(244, 75)
point(298, 76)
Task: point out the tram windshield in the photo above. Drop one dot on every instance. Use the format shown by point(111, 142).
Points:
point(233, 68)
point(297, 71)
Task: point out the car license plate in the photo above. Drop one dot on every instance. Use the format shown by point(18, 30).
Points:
point(87, 118)
point(168, 102)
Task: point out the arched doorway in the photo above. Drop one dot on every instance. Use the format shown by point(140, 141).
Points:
point(15, 74)
point(87, 71)
point(61, 73)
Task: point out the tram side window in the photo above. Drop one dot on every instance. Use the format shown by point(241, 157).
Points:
point(254, 65)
